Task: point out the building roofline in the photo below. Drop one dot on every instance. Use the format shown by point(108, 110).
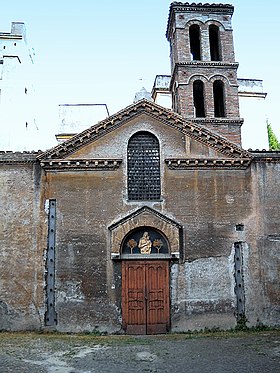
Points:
point(166, 116)
point(193, 7)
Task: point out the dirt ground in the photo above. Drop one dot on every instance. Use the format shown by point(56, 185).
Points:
point(216, 352)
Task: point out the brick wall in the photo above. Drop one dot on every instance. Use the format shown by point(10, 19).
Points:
point(185, 71)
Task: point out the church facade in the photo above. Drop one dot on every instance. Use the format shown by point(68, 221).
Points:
point(153, 220)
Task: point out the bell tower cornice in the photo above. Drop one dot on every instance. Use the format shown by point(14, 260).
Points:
point(180, 7)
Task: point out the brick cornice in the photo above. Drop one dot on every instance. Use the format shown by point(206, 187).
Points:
point(9, 157)
point(180, 7)
point(207, 163)
point(221, 64)
point(81, 164)
point(203, 64)
point(265, 156)
point(219, 121)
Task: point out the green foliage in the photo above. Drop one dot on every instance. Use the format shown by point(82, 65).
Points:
point(273, 142)
point(241, 324)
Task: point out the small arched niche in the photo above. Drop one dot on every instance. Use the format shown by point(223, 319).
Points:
point(145, 241)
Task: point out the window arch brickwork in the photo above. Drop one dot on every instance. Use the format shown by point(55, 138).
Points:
point(143, 167)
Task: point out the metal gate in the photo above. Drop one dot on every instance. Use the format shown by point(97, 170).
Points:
point(145, 297)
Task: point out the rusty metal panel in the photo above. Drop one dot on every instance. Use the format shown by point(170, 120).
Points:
point(239, 281)
point(145, 297)
point(50, 315)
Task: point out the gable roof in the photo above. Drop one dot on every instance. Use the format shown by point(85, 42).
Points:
point(165, 116)
point(143, 210)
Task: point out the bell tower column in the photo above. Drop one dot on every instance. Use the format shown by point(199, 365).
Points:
point(203, 69)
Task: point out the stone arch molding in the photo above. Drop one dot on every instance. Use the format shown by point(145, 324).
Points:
point(210, 22)
point(194, 22)
point(206, 79)
point(146, 217)
point(194, 77)
point(223, 78)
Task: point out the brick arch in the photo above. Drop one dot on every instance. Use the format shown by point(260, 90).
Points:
point(146, 217)
point(194, 22)
point(223, 78)
point(194, 77)
point(210, 22)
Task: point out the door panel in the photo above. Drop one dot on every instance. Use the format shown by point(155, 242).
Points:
point(136, 295)
point(157, 281)
point(145, 296)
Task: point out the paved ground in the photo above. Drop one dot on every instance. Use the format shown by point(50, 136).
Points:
point(217, 353)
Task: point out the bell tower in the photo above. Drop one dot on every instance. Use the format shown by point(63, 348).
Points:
point(203, 69)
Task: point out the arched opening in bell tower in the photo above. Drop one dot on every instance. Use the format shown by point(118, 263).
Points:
point(198, 99)
point(215, 47)
point(219, 99)
point(194, 33)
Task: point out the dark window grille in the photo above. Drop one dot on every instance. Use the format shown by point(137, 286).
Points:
point(143, 164)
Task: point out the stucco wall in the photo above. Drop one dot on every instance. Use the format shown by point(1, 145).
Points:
point(22, 240)
point(208, 204)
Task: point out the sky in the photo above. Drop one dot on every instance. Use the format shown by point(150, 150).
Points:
point(90, 51)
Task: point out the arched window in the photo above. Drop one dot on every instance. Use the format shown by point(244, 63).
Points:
point(194, 33)
point(219, 98)
point(198, 98)
point(143, 167)
point(215, 47)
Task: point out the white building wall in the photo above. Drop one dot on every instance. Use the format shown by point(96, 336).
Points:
point(75, 118)
point(17, 110)
point(252, 109)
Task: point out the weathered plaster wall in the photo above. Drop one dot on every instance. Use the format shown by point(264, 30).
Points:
point(263, 295)
point(22, 239)
point(203, 294)
point(86, 203)
point(209, 204)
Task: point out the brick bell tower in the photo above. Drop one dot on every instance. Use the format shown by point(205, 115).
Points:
point(203, 69)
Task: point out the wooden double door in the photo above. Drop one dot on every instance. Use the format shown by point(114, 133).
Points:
point(145, 296)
